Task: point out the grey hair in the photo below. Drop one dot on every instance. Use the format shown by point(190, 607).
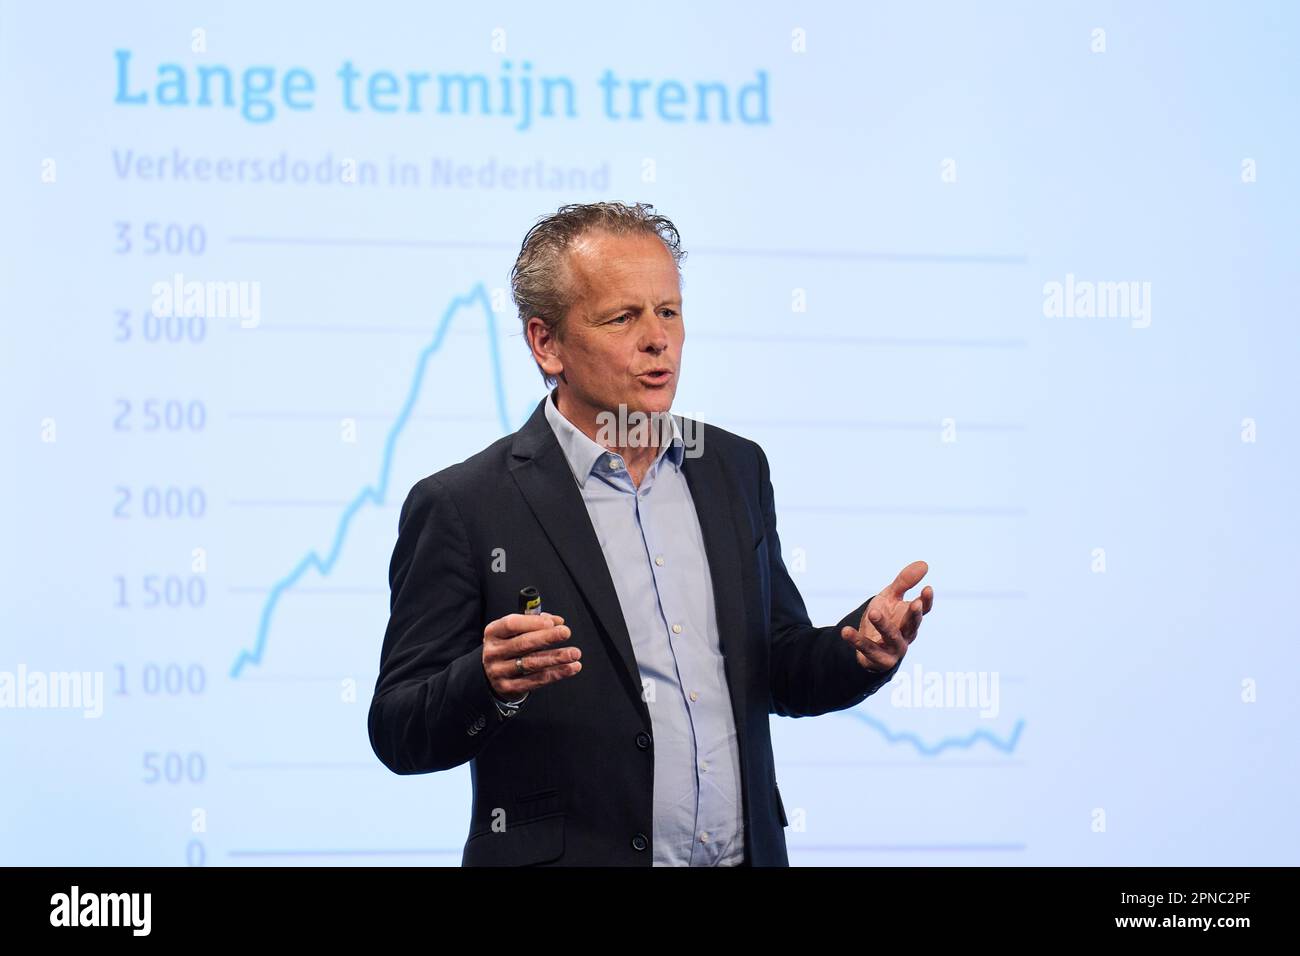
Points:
point(538, 281)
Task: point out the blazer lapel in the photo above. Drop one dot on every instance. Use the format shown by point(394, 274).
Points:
point(727, 548)
point(543, 476)
point(547, 484)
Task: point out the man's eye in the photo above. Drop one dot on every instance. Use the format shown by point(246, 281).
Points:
point(625, 315)
point(670, 311)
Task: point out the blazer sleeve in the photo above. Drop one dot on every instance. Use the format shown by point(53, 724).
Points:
point(433, 707)
point(813, 670)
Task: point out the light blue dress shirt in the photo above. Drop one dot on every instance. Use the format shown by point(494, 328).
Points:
point(654, 549)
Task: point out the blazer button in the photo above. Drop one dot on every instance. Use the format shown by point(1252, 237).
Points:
point(643, 741)
point(639, 842)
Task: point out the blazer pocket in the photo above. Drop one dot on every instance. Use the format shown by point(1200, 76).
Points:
point(539, 840)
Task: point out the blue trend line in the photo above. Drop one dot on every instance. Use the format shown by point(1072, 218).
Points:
point(932, 750)
point(378, 492)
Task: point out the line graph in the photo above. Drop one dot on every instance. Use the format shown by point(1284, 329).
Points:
point(1007, 745)
point(377, 493)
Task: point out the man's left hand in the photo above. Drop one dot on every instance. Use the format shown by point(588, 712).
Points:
point(891, 622)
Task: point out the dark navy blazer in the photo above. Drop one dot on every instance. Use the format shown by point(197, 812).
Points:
point(570, 777)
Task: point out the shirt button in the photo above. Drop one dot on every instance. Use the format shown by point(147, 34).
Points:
point(660, 560)
point(677, 628)
point(704, 766)
point(694, 696)
point(704, 837)
point(613, 463)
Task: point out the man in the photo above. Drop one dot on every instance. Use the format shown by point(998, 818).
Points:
point(628, 723)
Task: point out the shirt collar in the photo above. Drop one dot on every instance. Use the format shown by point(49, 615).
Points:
point(586, 456)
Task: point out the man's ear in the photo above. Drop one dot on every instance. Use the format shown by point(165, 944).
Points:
point(540, 339)
point(548, 338)
point(551, 358)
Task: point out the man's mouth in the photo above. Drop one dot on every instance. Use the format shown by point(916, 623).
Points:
point(658, 376)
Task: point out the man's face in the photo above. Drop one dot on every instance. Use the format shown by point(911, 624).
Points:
point(621, 342)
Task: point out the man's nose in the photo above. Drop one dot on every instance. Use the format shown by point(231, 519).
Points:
point(655, 338)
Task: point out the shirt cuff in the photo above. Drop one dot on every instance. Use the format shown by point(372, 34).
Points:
point(508, 707)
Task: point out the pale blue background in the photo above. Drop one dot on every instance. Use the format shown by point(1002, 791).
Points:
point(1120, 692)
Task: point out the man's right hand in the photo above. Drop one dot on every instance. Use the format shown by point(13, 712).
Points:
point(532, 638)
